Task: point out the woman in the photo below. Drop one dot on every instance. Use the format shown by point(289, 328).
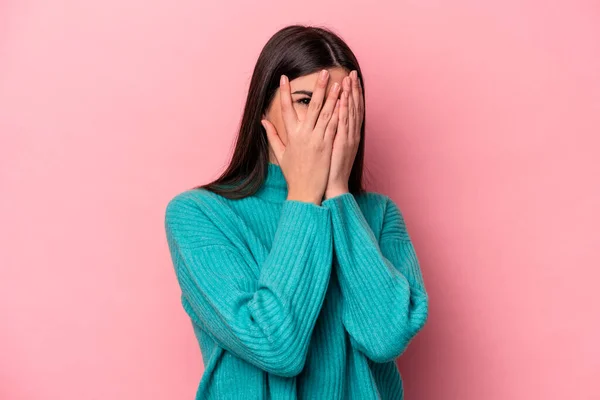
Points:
point(298, 282)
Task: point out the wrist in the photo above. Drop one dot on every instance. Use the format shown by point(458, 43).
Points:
point(335, 191)
point(303, 198)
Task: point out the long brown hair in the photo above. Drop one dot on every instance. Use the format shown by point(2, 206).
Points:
point(295, 50)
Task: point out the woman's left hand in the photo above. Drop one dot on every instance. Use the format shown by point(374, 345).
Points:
point(347, 137)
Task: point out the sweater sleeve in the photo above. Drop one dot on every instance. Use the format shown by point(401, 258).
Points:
point(266, 317)
point(384, 299)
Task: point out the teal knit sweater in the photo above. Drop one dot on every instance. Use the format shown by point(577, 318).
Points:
point(293, 300)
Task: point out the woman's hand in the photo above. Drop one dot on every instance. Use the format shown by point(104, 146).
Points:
point(306, 158)
point(347, 137)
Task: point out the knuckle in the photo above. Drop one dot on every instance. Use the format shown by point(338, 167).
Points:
point(316, 145)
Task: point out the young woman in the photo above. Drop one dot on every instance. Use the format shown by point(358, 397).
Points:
point(298, 282)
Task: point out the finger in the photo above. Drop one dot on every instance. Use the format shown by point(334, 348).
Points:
point(316, 101)
point(351, 117)
point(274, 139)
point(288, 113)
point(343, 123)
point(356, 92)
point(361, 97)
point(328, 109)
point(332, 125)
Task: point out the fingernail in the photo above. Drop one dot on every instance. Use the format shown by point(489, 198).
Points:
point(282, 80)
point(324, 74)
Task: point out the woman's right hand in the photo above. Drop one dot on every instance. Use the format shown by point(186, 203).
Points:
point(306, 158)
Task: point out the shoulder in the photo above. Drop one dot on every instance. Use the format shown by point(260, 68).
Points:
point(186, 201)
point(203, 212)
point(387, 211)
point(374, 202)
point(194, 204)
point(381, 200)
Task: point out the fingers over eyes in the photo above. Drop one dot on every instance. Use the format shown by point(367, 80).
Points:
point(290, 118)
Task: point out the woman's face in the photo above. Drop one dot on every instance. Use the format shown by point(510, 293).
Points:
point(301, 88)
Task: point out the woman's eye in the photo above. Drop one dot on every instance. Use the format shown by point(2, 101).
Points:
point(304, 101)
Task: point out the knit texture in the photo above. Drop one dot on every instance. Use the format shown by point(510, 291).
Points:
point(293, 300)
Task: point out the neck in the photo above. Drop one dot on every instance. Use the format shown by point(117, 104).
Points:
point(274, 187)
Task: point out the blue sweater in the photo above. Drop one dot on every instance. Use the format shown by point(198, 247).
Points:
point(293, 300)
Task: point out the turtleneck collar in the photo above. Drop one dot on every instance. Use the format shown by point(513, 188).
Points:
point(274, 187)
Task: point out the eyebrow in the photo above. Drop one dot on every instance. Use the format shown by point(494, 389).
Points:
point(306, 92)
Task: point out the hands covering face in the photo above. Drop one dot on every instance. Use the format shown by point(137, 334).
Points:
point(321, 144)
point(347, 136)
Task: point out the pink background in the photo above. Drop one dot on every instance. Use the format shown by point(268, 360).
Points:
point(483, 124)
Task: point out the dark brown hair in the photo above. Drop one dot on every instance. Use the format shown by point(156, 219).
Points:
point(295, 50)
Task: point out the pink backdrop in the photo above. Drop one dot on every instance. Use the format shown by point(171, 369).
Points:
point(483, 123)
